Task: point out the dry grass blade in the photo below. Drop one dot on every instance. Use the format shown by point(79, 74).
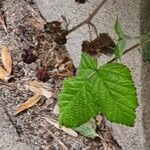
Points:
point(28, 104)
point(62, 144)
point(39, 88)
point(2, 22)
point(6, 59)
point(56, 124)
point(105, 145)
point(3, 73)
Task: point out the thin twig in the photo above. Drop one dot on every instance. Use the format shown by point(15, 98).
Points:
point(95, 29)
point(125, 52)
point(130, 49)
point(17, 128)
point(62, 144)
point(88, 20)
point(56, 124)
point(3, 22)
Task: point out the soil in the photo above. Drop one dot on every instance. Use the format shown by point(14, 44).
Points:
point(30, 125)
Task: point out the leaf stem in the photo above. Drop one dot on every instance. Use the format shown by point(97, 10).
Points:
point(130, 49)
point(88, 20)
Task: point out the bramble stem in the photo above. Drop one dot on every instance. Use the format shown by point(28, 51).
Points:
point(88, 20)
point(130, 49)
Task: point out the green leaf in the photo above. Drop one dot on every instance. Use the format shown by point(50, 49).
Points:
point(120, 46)
point(110, 90)
point(88, 129)
point(87, 66)
point(76, 102)
point(115, 93)
point(118, 29)
point(146, 52)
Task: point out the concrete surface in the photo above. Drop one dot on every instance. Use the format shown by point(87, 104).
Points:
point(9, 140)
point(129, 14)
point(145, 27)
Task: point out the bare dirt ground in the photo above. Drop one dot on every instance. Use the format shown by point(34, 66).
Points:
point(30, 126)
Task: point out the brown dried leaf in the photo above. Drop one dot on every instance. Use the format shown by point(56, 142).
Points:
point(28, 104)
point(3, 73)
point(6, 59)
point(39, 88)
point(102, 44)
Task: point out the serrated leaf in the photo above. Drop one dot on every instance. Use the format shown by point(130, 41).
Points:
point(88, 129)
point(120, 46)
point(115, 93)
point(110, 90)
point(87, 65)
point(76, 102)
point(118, 29)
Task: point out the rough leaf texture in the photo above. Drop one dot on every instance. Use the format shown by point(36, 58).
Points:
point(76, 102)
point(109, 90)
point(120, 46)
point(88, 65)
point(115, 93)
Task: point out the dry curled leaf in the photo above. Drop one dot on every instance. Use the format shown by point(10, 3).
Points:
point(3, 73)
point(56, 124)
point(102, 44)
point(28, 104)
point(6, 59)
point(39, 88)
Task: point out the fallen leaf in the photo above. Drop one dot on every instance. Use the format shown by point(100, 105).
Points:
point(3, 73)
point(28, 104)
point(56, 124)
point(39, 88)
point(88, 129)
point(6, 59)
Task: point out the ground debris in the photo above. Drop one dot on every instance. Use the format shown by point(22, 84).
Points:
point(26, 31)
point(6, 62)
point(40, 88)
point(28, 104)
point(2, 21)
point(102, 44)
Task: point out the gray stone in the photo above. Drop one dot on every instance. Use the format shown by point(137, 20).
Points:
point(9, 139)
point(128, 11)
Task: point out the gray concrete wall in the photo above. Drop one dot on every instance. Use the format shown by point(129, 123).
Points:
point(145, 27)
point(129, 14)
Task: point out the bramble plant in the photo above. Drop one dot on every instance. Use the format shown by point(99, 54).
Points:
point(107, 89)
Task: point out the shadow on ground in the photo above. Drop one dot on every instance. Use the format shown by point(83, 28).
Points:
point(145, 71)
